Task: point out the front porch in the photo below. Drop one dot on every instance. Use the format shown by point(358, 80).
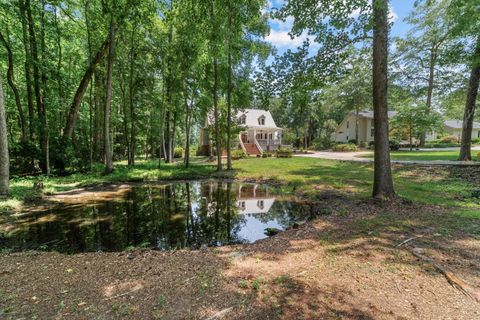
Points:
point(264, 139)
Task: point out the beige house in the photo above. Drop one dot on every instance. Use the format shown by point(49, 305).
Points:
point(454, 128)
point(260, 132)
point(346, 129)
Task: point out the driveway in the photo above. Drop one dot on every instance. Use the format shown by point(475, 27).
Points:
point(475, 148)
point(357, 156)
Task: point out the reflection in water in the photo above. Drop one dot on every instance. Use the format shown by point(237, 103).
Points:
point(171, 216)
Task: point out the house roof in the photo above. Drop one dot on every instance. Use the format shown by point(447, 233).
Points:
point(252, 116)
point(458, 124)
point(369, 114)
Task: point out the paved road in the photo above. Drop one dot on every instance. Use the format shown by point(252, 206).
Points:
point(475, 148)
point(357, 157)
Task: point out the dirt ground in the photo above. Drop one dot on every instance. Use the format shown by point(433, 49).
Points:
point(346, 265)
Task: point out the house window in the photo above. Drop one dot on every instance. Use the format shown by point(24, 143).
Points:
point(347, 138)
point(261, 121)
point(372, 132)
point(241, 204)
point(348, 124)
point(242, 119)
point(478, 134)
point(260, 204)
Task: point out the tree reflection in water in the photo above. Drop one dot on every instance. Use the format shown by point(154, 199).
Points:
point(160, 216)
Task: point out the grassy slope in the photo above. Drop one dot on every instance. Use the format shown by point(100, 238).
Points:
point(297, 174)
point(423, 155)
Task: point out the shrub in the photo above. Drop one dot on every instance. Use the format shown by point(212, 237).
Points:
point(322, 143)
point(238, 154)
point(394, 145)
point(284, 152)
point(178, 152)
point(476, 141)
point(362, 144)
point(352, 141)
point(344, 147)
point(449, 139)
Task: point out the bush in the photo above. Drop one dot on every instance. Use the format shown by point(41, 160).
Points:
point(362, 144)
point(284, 152)
point(476, 141)
point(352, 141)
point(344, 147)
point(238, 154)
point(440, 145)
point(178, 152)
point(449, 139)
point(394, 145)
point(322, 143)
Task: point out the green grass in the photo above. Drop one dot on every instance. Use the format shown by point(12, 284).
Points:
point(307, 176)
point(424, 155)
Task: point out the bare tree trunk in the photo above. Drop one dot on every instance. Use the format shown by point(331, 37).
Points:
point(357, 112)
point(28, 74)
point(466, 148)
point(186, 159)
point(11, 83)
point(382, 183)
point(215, 91)
point(4, 161)
point(131, 153)
point(82, 88)
point(108, 100)
point(45, 135)
point(43, 138)
point(229, 96)
point(431, 82)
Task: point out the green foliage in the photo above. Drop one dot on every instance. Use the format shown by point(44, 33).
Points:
point(178, 152)
point(449, 139)
point(344, 147)
point(284, 152)
point(238, 154)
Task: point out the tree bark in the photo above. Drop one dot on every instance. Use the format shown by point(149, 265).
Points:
point(431, 82)
point(131, 151)
point(466, 148)
point(186, 160)
point(382, 183)
point(11, 83)
point(4, 160)
point(215, 92)
point(82, 88)
point(39, 98)
point(229, 96)
point(108, 100)
point(44, 131)
point(28, 74)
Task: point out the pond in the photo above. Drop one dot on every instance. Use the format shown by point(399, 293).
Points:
point(177, 215)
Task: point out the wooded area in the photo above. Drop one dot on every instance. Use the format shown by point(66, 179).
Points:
point(101, 81)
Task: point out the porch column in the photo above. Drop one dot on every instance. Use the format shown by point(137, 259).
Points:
point(268, 138)
point(254, 135)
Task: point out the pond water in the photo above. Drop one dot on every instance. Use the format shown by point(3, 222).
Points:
point(158, 216)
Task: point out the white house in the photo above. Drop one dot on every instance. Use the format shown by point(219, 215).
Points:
point(454, 128)
point(346, 129)
point(260, 132)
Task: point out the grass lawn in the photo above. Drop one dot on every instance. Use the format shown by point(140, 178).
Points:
point(424, 155)
point(308, 176)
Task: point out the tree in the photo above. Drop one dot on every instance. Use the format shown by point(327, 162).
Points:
point(108, 99)
point(414, 121)
point(421, 57)
point(4, 161)
point(382, 181)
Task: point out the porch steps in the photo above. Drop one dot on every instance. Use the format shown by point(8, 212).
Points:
point(251, 149)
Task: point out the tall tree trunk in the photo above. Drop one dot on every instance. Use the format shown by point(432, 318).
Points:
point(186, 160)
point(382, 183)
point(82, 88)
point(229, 95)
point(4, 161)
point(45, 135)
point(11, 83)
point(357, 117)
point(43, 139)
point(28, 72)
point(98, 116)
point(131, 151)
point(466, 148)
point(61, 91)
point(108, 100)
point(215, 89)
point(431, 82)
point(169, 108)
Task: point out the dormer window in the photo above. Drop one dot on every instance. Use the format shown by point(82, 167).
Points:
point(261, 120)
point(242, 119)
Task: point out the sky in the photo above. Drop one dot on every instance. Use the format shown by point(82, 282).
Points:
point(279, 37)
